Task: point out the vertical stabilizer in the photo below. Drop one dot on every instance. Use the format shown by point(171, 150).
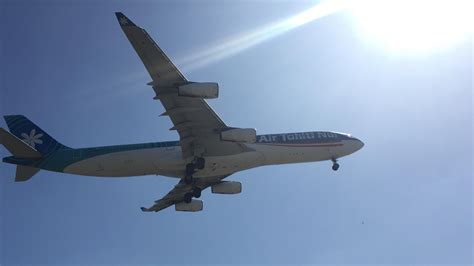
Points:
point(32, 135)
point(17, 147)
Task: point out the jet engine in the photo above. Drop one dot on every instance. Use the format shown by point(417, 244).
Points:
point(227, 187)
point(205, 90)
point(193, 206)
point(247, 135)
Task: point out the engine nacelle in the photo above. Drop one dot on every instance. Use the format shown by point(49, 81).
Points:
point(227, 187)
point(193, 206)
point(205, 90)
point(247, 135)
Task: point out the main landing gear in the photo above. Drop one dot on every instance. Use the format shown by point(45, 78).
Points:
point(335, 165)
point(196, 192)
point(198, 163)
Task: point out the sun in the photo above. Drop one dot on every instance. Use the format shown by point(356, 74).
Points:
point(414, 25)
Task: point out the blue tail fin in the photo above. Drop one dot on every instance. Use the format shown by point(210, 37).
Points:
point(31, 134)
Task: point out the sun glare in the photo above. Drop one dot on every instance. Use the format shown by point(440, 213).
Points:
point(241, 42)
point(405, 26)
point(414, 25)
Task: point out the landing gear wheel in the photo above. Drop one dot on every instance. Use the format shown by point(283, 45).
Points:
point(190, 167)
point(197, 192)
point(200, 163)
point(188, 180)
point(335, 166)
point(188, 197)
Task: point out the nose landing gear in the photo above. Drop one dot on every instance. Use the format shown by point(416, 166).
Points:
point(335, 165)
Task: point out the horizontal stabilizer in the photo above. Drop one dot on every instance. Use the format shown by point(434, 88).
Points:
point(17, 147)
point(24, 173)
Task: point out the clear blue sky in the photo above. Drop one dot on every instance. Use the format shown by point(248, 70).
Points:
point(405, 198)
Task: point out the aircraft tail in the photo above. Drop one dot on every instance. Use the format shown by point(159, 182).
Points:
point(27, 132)
point(17, 147)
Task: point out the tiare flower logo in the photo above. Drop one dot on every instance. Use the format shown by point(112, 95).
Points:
point(32, 139)
point(123, 21)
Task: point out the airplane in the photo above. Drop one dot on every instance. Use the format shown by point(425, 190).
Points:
point(207, 152)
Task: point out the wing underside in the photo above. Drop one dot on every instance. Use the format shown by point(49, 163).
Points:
point(176, 195)
point(194, 120)
point(198, 126)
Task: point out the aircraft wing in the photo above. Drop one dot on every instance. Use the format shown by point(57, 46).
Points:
point(176, 195)
point(197, 124)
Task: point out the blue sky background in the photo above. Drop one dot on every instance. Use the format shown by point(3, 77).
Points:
point(405, 198)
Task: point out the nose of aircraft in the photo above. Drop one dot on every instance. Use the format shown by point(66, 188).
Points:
point(358, 144)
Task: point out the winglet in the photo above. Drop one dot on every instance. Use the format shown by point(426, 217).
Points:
point(123, 20)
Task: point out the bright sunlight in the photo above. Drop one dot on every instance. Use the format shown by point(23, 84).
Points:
point(414, 25)
point(241, 42)
point(402, 26)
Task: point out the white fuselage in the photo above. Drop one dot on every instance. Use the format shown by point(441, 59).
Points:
point(168, 161)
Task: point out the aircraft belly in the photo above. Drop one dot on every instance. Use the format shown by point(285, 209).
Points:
point(282, 154)
point(127, 163)
point(222, 165)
